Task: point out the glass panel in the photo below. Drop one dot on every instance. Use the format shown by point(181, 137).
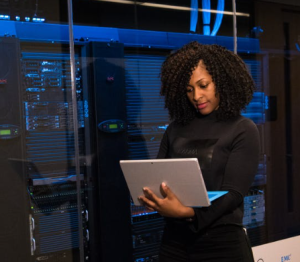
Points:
point(41, 217)
point(277, 28)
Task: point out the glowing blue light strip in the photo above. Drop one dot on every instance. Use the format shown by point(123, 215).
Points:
point(194, 15)
point(206, 17)
point(38, 19)
point(4, 17)
point(219, 17)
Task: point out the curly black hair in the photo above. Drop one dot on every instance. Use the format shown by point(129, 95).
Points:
point(230, 75)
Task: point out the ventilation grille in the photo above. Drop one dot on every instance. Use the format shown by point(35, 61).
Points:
point(146, 116)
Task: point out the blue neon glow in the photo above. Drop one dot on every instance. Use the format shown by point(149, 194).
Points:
point(266, 102)
point(4, 17)
point(194, 15)
point(145, 213)
point(206, 17)
point(27, 19)
point(219, 17)
point(163, 127)
point(18, 18)
point(45, 32)
point(38, 20)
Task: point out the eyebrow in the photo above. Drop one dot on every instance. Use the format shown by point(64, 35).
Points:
point(197, 82)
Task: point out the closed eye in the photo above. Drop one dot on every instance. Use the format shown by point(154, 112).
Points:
point(203, 86)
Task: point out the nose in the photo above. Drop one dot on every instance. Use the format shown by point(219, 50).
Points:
point(197, 94)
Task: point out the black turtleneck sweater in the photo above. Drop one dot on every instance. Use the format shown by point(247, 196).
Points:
point(228, 154)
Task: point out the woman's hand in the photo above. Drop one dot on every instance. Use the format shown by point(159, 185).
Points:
point(169, 206)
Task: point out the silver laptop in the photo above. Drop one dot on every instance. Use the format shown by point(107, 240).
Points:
point(182, 175)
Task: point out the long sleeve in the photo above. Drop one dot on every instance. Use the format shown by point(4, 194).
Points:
point(239, 173)
point(206, 216)
point(228, 153)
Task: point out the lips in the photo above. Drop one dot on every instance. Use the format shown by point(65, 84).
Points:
point(202, 105)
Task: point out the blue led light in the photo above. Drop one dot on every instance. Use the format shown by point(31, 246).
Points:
point(266, 102)
point(206, 30)
point(206, 17)
point(27, 19)
point(219, 17)
point(194, 15)
point(163, 127)
point(38, 20)
point(4, 17)
point(18, 18)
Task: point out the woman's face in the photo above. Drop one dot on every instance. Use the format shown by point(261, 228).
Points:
point(201, 91)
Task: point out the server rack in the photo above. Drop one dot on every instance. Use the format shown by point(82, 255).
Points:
point(50, 155)
point(254, 202)
point(147, 119)
point(44, 159)
point(104, 72)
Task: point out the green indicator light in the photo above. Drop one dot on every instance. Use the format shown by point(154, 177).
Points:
point(113, 126)
point(31, 207)
point(5, 132)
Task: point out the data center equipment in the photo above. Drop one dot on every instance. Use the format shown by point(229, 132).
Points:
point(44, 159)
point(49, 155)
point(104, 74)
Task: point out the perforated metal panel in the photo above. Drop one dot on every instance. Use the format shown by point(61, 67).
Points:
point(147, 118)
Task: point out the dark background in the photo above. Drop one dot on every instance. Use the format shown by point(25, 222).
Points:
point(105, 14)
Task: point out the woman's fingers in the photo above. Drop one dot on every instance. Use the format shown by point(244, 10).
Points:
point(147, 203)
point(149, 200)
point(166, 191)
point(150, 195)
point(169, 206)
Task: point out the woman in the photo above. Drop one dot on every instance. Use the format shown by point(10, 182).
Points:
point(205, 89)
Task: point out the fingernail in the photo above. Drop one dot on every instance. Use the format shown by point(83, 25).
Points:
point(163, 184)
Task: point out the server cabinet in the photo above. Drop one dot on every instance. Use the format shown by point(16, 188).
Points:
point(38, 161)
point(106, 80)
point(49, 153)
